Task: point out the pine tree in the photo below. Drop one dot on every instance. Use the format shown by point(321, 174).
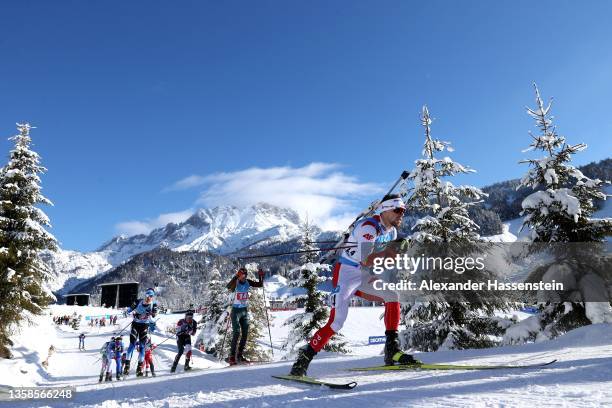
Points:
point(216, 314)
point(307, 243)
point(22, 237)
point(257, 347)
point(308, 276)
point(560, 211)
point(446, 205)
point(445, 226)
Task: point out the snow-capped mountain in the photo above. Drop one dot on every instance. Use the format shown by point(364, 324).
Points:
point(221, 230)
point(69, 268)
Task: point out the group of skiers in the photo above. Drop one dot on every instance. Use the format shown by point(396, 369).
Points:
point(111, 350)
point(142, 310)
point(114, 350)
point(66, 319)
point(373, 237)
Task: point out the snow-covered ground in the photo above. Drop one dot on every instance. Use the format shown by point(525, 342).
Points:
point(581, 377)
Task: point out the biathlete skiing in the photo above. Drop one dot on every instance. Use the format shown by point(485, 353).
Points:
point(185, 328)
point(149, 347)
point(352, 278)
point(240, 285)
point(143, 310)
point(117, 355)
point(111, 350)
point(107, 353)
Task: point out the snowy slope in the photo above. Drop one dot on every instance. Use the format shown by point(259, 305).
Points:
point(606, 211)
point(69, 268)
point(505, 236)
point(582, 377)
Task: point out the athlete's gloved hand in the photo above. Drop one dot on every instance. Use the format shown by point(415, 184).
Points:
point(401, 245)
point(261, 274)
point(152, 326)
point(395, 247)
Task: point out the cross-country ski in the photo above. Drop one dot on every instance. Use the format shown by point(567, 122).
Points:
point(425, 366)
point(314, 381)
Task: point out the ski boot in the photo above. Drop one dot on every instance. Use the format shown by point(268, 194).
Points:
point(152, 371)
point(126, 368)
point(109, 377)
point(139, 372)
point(118, 376)
point(187, 366)
point(393, 352)
point(101, 377)
point(305, 356)
point(176, 361)
point(231, 361)
point(242, 360)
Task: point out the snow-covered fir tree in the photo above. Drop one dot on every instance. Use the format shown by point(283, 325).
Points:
point(22, 237)
point(563, 211)
point(445, 204)
point(307, 243)
point(255, 349)
point(445, 225)
point(560, 211)
point(214, 322)
point(303, 325)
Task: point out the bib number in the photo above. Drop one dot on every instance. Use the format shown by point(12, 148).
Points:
point(241, 298)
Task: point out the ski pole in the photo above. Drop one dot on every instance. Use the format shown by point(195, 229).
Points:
point(267, 319)
point(122, 330)
point(365, 214)
point(296, 252)
point(329, 242)
point(224, 336)
point(159, 344)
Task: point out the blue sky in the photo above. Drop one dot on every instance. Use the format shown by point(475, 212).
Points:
point(292, 101)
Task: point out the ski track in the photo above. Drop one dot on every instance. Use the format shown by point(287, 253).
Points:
point(581, 378)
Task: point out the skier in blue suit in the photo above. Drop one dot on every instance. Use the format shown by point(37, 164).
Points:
point(143, 310)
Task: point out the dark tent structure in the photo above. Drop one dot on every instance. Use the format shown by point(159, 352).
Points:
point(118, 294)
point(77, 299)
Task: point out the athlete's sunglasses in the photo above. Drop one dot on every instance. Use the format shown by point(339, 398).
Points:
point(399, 210)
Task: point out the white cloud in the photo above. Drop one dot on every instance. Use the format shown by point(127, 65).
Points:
point(318, 189)
point(186, 183)
point(144, 227)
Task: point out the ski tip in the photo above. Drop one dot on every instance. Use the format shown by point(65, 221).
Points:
point(314, 381)
point(351, 385)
